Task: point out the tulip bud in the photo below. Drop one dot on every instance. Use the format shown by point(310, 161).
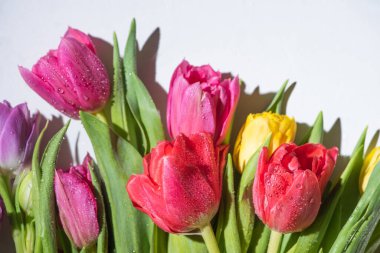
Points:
point(256, 130)
point(288, 186)
point(71, 78)
point(77, 206)
point(200, 101)
point(182, 183)
point(18, 133)
point(370, 162)
point(25, 194)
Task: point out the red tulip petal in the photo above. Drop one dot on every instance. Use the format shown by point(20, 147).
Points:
point(298, 208)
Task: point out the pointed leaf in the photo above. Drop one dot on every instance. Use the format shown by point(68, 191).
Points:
point(276, 104)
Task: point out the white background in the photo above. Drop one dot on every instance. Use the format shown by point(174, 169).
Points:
point(330, 48)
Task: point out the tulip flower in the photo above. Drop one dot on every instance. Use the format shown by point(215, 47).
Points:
point(256, 130)
point(18, 133)
point(288, 186)
point(370, 162)
point(200, 101)
point(182, 183)
point(77, 206)
point(71, 78)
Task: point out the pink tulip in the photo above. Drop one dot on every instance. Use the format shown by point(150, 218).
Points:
point(182, 183)
point(71, 78)
point(200, 101)
point(288, 186)
point(77, 206)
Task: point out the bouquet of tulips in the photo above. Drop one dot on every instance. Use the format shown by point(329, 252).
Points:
point(194, 192)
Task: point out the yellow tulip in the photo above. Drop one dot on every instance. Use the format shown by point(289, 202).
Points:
point(370, 162)
point(256, 130)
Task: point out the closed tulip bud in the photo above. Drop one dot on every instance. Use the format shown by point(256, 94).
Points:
point(200, 101)
point(25, 194)
point(72, 77)
point(255, 131)
point(370, 162)
point(77, 206)
point(288, 186)
point(18, 133)
point(182, 183)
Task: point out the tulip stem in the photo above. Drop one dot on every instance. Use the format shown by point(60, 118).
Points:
point(7, 197)
point(210, 240)
point(274, 242)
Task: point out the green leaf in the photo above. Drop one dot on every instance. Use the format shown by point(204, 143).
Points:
point(260, 237)
point(315, 133)
point(123, 121)
point(140, 102)
point(46, 207)
point(276, 104)
point(36, 178)
point(356, 233)
point(246, 217)
point(144, 110)
point(310, 239)
point(102, 242)
point(130, 51)
point(186, 244)
point(227, 233)
point(129, 158)
point(159, 241)
point(131, 228)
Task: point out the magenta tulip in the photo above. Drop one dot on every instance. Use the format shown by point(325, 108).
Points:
point(182, 183)
point(77, 206)
point(71, 78)
point(288, 186)
point(200, 101)
point(18, 133)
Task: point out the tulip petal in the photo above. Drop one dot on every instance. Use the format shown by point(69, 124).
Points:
point(5, 110)
point(13, 137)
point(77, 207)
point(299, 206)
point(145, 196)
point(86, 73)
point(80, 37)
point(48, 93)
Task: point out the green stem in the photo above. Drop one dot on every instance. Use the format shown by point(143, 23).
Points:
point(5, 194)
point(210, 240)
point(102, 116)
point(274, 242)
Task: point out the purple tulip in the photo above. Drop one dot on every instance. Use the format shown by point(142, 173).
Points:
point(77, 206)
point(18, 133)
point(71, 78)
point(200, 101)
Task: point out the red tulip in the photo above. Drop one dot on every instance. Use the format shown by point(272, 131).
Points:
point(71, 78)
point(200, 101)
point(182, 183)
point(289, 185)
point(77, 206)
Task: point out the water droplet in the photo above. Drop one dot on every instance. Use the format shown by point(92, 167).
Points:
point(311, 201)
point(86, 98)
point(60, 91)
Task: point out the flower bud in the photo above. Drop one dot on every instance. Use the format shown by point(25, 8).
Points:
point(77, 206)
point(71, 78)
point(18, 133)
point(289, 185)
point(182, 183)
point(200, 100)
point(256, 130)
point(370, 162)
point(25, 194)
